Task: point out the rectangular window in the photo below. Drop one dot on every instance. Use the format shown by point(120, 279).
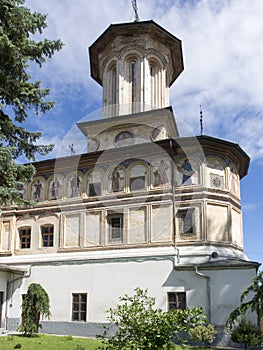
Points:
point(115, 223)
point(186, 220)
point(79, 307)
point(47, 233)
point(176, 301)
point(25, 237)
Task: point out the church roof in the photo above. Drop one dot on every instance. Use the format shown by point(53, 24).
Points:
point(133, 29)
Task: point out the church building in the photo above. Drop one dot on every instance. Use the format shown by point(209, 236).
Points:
point(143, 207)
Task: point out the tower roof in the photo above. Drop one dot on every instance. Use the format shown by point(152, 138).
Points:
point(132, 29)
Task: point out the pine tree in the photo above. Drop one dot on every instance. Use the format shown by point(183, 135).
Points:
point(19, 93)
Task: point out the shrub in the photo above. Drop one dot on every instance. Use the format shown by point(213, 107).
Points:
point(203, 334)
point(246, 333)
point(141, 326)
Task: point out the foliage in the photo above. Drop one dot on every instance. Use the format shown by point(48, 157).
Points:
point(19, 93)
point(203, 334)
point(254, 304)
point(12, 177)
point(245, 333)
point(35, 305)
point(141, 326)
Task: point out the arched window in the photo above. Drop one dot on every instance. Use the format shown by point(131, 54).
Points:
point(110, 90)
point(131, 94)
point(155, 84)
point(133, 84)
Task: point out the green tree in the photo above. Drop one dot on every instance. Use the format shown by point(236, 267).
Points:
point(141, 326)
point(245, 333)
point(18, 92)
point(254, 304)
point(35, 305)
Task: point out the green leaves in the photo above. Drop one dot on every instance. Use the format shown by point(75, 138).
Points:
point(202, 333)
point(19, 93)
point(255, 303)
point(35, 305)
point(12, 177)
point(140, 326)
point(246, 333)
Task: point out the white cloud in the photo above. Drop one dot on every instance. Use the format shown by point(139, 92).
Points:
point(223, 54)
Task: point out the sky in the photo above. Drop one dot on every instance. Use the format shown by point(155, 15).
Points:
point(222, 43)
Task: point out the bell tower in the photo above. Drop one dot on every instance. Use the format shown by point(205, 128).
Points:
point(135, 63)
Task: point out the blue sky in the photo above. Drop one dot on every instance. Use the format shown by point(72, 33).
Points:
point(223, 55)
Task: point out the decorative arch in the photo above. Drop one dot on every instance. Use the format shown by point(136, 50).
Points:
point(116, 179)
point(95, 182)
point(38, 189)
point(138, 176)
point(233, 179)
point(187, 172)
point(73, 184)
point(215, 170)
point(161, 173)
point(110, 88)
point(55, 187)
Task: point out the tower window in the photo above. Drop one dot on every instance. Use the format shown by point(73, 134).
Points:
point(152, 86)
point(133, 84)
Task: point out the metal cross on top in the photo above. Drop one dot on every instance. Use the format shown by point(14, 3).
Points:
point(135, 9)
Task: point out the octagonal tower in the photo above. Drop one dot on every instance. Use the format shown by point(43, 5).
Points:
point(136, 63)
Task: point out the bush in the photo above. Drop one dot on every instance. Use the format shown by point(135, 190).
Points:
point(203, 334)
point(246, 333)
point(141, 326)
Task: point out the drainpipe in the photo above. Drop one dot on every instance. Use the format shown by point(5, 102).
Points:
point(173, 195)
point(208, 291)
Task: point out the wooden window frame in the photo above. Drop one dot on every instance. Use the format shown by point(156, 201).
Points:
point(25, 237)
point(47, 237)
point(177, 303)
point(79, 307)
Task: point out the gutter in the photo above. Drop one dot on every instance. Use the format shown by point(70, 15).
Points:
point(208, 291)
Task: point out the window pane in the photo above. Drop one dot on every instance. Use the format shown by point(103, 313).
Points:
point(79, 307)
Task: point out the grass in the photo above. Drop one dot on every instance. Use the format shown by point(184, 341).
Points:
point(47, 342)
point(50, 342)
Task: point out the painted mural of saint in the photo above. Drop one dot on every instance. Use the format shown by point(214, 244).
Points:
point(75, 184)
point(55, 189)
point(115, 181)
point(37, 194)
point(186, 170)
point(160, 174)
